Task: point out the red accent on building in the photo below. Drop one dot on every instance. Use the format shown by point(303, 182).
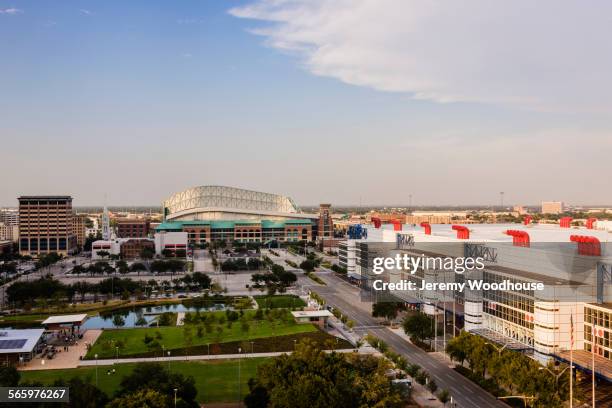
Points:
point(519, 238)
point(462, 232)
point(590, 222)
point(565, 222)
point(427, 227)
point(587, 245)
point(527, 220)
point(377, 222)
point(397, 225)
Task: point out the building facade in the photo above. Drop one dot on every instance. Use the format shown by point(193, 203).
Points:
point(46, 225)
point(574, 265)
point(9, 232)
point(552, 207)
point(217, 213)
point(132, 228)
point(80, 229)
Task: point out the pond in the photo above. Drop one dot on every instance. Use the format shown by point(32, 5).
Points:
point(132, 315)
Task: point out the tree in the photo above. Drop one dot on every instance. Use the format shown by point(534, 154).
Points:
point(156, 376)
point(308, 265)
point(138, 267)
point(102, 254)
point(388, 310)
point(9, 376)
point(118, 321)
point(444, 396)
point(143, 398)
point(201, 279)
point(122, 267)
point(82, 394)
point(418, 326)
point(310, 377)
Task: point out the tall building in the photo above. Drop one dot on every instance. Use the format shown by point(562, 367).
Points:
point(80, 229)
point(9, 232)
point(9, 216)
point(325, 222)
point(46, 225)
point(133, 228)
point(106, 231)
point(552, 207)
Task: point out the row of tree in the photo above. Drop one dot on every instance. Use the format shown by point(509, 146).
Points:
point(46, 288)
point(507, 372)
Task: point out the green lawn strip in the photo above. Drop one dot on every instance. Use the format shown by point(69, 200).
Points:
point(173, 337)
point(216, 381)
point(279, 301)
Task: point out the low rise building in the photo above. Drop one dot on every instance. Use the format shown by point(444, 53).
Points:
point(20, 346)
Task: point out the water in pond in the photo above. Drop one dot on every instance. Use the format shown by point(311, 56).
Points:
point(131, 316)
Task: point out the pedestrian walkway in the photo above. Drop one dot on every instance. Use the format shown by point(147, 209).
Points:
point(111, 361)
point(65, 359)
point(180, 318)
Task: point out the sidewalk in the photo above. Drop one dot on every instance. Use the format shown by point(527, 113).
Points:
point(89, 363)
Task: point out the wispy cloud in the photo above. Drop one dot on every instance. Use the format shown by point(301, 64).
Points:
point(86, 12)
point(11, 11)
point(186, 55)
point(516, 53)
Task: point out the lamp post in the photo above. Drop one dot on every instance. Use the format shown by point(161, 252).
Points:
point(96, 357)
point(239, 383)
point(555, 375)
point(175, 391)
point(168, 360)
point(497, 348)
point(252, 347)
point(116, 352)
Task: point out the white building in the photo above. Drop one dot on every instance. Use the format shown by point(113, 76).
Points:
point(9, 232)
point(576, 282)
point(173, 241)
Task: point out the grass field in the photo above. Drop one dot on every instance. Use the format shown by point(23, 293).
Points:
point(216, 381)
point(279, 301)
point(173, 338)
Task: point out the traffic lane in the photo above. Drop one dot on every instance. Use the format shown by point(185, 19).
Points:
point(465, 392)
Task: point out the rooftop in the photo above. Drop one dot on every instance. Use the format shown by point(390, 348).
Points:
point(178, 225)
point(19, 341)
point(312, 313)
point(78, 318)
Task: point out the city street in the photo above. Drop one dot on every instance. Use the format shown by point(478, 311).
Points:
point(345, 297)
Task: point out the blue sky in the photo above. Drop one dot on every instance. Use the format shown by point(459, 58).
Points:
point(323, 101)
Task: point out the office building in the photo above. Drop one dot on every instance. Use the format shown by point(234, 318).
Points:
point(9, 232)
point(46, 225)
point(132, 228)
point(552, 207)
point(80, 229)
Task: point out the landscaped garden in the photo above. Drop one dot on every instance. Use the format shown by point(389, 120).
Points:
point(215, 381)
point(212, 333)
point(279, 301)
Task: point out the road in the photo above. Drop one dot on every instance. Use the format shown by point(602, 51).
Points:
point(346, 297)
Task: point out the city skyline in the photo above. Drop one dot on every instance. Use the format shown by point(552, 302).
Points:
point(137, 101)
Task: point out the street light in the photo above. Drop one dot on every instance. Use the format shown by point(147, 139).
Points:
point(96, 357)
point(239, 384)
point(499, 349)
point(168, 360)
point(556, 375)
point(175, 391)
point(252, 347)
point(117, 352)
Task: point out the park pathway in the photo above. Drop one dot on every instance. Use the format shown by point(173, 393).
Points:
point(180, 317)
point(111, 361)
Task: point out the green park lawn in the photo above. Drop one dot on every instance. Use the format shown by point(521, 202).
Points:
point(131, 341)
point(279, 301)
point(216, 381)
